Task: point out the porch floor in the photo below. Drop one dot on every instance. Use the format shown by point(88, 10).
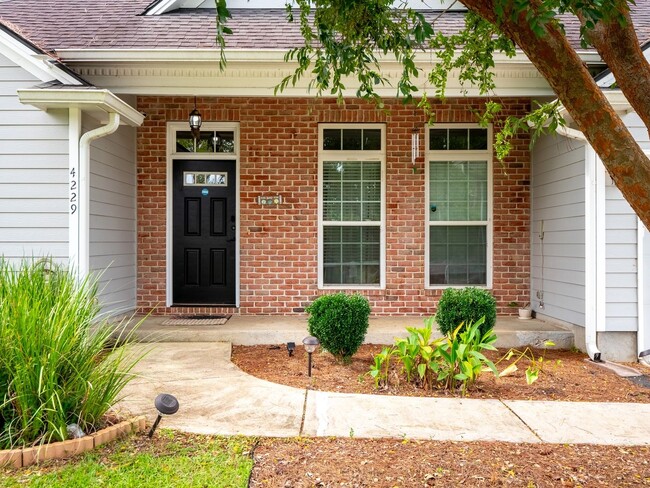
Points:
point(278, 329)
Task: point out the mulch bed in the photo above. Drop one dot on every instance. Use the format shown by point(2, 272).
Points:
point(566, 376)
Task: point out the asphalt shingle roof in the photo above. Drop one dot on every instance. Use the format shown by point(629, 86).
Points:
point(118, 24)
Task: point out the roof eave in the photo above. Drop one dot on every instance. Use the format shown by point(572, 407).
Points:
point(92, 100)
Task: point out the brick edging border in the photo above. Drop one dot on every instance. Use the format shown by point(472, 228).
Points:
point(20, 458)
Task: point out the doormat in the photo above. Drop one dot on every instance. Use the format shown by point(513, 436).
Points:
point(197, 320)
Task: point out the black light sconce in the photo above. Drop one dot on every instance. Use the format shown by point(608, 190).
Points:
point(195, 121)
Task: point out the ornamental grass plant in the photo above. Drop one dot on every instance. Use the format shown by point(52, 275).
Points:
point(59, 363)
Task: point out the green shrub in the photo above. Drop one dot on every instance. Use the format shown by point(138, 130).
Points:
point(340, 323)
point(58, 365)
point(466, 306)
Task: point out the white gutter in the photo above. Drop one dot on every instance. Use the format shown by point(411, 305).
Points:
point(593, 280)
point(84, 188)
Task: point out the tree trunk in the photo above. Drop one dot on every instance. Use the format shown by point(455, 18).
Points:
point(558, 62)
point(619, 47)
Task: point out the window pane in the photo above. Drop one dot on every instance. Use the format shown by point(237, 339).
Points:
point(478, 139)
point(371, 139)
point(223, 142)
point(332, 139)
point(351, 139)
point(357, 262)
point(458, 190)
point(184, 142)
point(359, 192)
point(204, 142)
point(438, 139)
point(457, 255)
point(332, 171)
point(458, 139)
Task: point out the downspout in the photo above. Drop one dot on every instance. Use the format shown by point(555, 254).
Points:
point(591, 251)
point(84, 188)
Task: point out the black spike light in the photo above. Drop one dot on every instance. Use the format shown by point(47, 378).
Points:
point(166, 404)
point(311, 344)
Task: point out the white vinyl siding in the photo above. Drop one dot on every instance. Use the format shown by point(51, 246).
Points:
point(558, 215)
point(113, 233)
point(621, 248)
point(33, 173)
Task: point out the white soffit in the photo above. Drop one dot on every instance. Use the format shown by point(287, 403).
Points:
point(95, 101)
point(37, 63)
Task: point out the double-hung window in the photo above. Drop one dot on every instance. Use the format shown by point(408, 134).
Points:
point(458, 206)
point(351, 205)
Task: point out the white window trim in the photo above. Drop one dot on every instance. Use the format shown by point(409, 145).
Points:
point(172, 129)
point(455, 155)
point(352, 156)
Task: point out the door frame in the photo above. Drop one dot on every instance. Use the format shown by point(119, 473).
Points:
point(172, 128)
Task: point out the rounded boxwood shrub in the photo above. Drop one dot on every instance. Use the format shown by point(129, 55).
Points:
point(465, 305)
point(340, 323)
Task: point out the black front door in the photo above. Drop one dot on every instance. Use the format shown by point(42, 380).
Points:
point(204, 228)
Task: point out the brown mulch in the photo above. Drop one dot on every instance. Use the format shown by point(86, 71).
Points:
point(566, 376)
point(389, 463)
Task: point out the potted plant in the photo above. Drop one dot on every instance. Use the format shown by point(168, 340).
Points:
point(525, 312)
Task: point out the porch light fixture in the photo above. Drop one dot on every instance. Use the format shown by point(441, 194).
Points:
point(166, 404)
point(195, 121)
point(291, 346)
point(415, 147)
point(311, 344)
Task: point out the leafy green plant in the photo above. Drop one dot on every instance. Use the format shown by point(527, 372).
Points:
point(454, 361)
point(466, 306)
point(340, 323)
point(59, 364)
point(461, 357)
point(534, 368)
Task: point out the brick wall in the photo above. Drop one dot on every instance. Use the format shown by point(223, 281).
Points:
point(278, 268)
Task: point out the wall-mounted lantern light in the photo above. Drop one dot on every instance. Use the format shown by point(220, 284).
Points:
point(195, 121)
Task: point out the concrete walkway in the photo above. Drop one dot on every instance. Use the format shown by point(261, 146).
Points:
point(216, 397)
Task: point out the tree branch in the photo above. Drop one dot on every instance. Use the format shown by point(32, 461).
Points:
point(618, 45)
point(558, 62)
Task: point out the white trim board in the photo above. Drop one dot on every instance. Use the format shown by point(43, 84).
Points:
point(36, 63)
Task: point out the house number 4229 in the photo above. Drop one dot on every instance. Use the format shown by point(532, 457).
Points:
point(73, 191)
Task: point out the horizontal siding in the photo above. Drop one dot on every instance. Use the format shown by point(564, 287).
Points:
point(558, 201)
point(33, 173)
point(113, 233)
point(621, 248)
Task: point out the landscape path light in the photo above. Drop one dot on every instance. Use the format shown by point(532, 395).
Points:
point(311, 344)
point(166, 404)
point(291, 346)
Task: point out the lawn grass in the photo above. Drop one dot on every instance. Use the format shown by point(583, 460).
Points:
point(169, 459)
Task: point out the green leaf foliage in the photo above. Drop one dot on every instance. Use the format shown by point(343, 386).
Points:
point(346, 42)
point(466, 306)
point(453, 362)
point(340, 323)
